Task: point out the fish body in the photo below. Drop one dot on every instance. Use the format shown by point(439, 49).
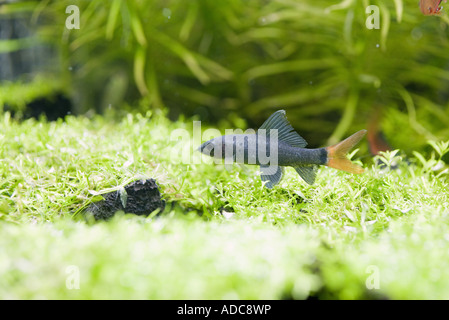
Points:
point(253, 148)
point(294, 156)
point(277, 145)
point(430, 7)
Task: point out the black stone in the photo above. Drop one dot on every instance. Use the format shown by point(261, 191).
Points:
point(140, 197)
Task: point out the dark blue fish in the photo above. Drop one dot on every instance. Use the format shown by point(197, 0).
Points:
point(276, 145)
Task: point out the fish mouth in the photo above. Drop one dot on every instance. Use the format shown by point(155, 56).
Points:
point(201, 147)
point(206, 148)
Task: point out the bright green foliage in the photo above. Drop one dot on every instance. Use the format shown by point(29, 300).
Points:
point(223, 235)
point(383, 234)
point(316, 59)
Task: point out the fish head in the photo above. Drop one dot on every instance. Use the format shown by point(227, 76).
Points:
point(222, 147)
point(212, 148)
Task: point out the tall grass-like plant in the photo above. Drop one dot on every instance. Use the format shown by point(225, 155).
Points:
point(316, 59)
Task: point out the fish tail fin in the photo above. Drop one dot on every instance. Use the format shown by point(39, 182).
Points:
point(336, 154)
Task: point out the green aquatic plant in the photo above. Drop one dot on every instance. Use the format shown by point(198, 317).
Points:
point(319, 60)
point(222, 234)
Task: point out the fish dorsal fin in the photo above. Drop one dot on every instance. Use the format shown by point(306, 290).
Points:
point(286, 133)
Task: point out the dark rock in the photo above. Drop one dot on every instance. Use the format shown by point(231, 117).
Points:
point(140, 197)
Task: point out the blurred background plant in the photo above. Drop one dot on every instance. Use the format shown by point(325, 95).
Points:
point(233, 59)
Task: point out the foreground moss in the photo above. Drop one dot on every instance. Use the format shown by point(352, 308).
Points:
point(223, 235)
point(163, 259)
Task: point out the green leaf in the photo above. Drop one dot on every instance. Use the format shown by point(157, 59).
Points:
point(136, 26)
point(139, 70)
point(123, 196)
point(441, 147)
point(399, 9)
point(112, 19)
point(384, 29)
point(421, 158)
point(189, 22)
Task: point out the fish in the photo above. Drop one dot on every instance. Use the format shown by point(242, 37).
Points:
point(277, 145)
point(430, 7)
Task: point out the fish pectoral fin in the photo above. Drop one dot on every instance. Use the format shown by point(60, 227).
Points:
point(278, 121)
point(307, 173)
point(271, 175)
